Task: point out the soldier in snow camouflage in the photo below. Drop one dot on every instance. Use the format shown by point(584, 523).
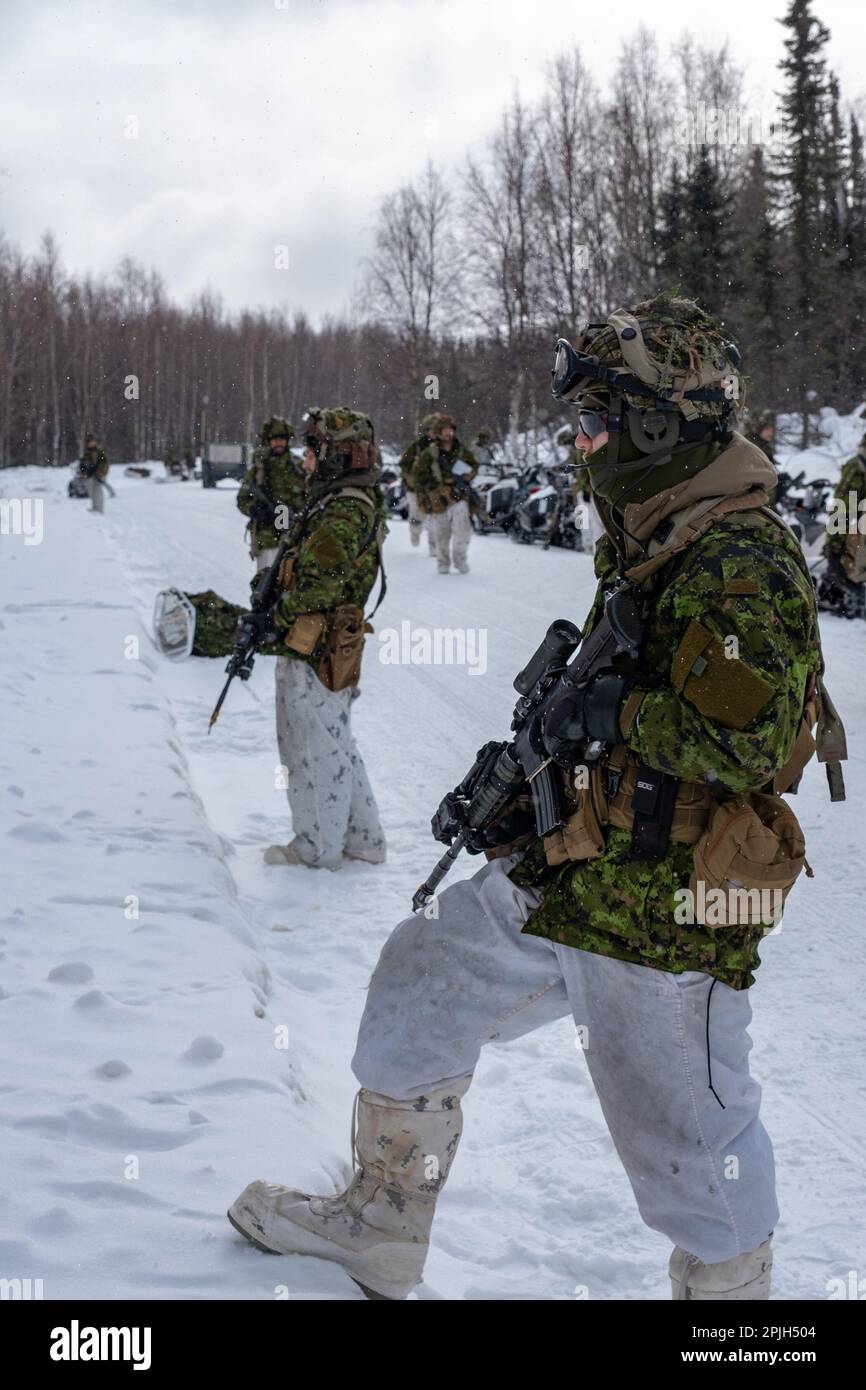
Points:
point(334, 558)
point(713, 711)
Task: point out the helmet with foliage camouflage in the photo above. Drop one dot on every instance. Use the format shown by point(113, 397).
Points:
point(484, 435)
point(427, 424)
point(442, 422)
point(343, 441)
point(665, 371)
point(277, 427)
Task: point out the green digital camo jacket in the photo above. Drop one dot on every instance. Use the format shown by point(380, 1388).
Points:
point(337, 559)
point(283, 482)
point(853, 479)
point(425, 479)
point(741, 579)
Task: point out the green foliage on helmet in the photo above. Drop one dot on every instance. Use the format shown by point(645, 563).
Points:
point(342, 439)
point(427, 423)
point(277, 427)
point(673, 344)
point(442, 422)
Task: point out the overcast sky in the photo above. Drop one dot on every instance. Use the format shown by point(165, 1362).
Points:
point(198, 135)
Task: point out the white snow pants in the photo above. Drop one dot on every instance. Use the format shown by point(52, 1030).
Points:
point(96, 493)
point(416, 522)
point(451, 530)
point(701, 1174)
point(332, 803)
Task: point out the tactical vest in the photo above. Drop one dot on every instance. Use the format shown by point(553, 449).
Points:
point(741, 842)
point(333, 639)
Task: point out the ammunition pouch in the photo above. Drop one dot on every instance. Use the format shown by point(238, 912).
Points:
point(438, 500)
point(612, 797)
point(747, 861)
point(336, 640)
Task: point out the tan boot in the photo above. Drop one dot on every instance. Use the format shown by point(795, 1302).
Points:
point(745, 1277)
point(379, 1228)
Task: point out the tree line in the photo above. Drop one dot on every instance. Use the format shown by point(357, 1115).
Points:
point(581, 202)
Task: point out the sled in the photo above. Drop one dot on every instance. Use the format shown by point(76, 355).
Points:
point(173, 623)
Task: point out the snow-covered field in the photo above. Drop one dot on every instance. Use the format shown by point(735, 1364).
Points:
point(151, 967)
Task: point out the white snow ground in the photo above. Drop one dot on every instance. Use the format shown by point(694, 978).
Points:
point(141, 1085)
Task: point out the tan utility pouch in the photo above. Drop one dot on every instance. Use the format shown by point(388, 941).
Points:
point(285, 574)
point(692, 807)
point(304, 634)
point(747, 861)
point(340, 664)
point(582, 836)
point(439, 500)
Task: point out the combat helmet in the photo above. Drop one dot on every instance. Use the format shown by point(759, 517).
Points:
point(277, 427)
point(427, 425)
point(484, 435)
point(665, 372)
point(343, 441)
point(441, 422)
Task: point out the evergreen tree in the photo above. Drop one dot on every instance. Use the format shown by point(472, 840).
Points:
point(807, 126)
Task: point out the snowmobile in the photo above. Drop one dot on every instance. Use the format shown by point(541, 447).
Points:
point(496, 496)
point(804, 507)
point(535, 508)
point(394, 492)
point(77, 485)
point(836, 593)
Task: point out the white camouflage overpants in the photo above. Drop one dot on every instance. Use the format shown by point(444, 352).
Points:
point(451, 530)
point(701, 1174)
point(96, 493)
point(416, 522)
point(331, 801)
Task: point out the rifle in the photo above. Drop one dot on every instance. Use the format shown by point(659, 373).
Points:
point(248, 633)
point(466, 816)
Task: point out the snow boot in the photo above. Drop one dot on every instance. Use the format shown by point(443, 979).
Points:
point(288, 854)
point(379, 1228)
point(744, 1278)
point(173, 623)
point(374, 855)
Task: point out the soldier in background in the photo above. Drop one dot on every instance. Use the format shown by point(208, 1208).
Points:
point(443, 475)
point(408, 459)
point(484, 449)
point(94, 466)
point(332, 564)
point(841, 588)
point(578, 489)
point(273, 491)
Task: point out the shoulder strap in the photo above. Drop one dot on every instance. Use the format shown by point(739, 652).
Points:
point(692, 523)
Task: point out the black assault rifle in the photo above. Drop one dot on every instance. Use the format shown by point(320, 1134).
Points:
point(249, 633)
point(502, 771)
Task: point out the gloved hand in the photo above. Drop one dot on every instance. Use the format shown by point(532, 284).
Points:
point(578, 714)
point(262, 513)
point(260, 623)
